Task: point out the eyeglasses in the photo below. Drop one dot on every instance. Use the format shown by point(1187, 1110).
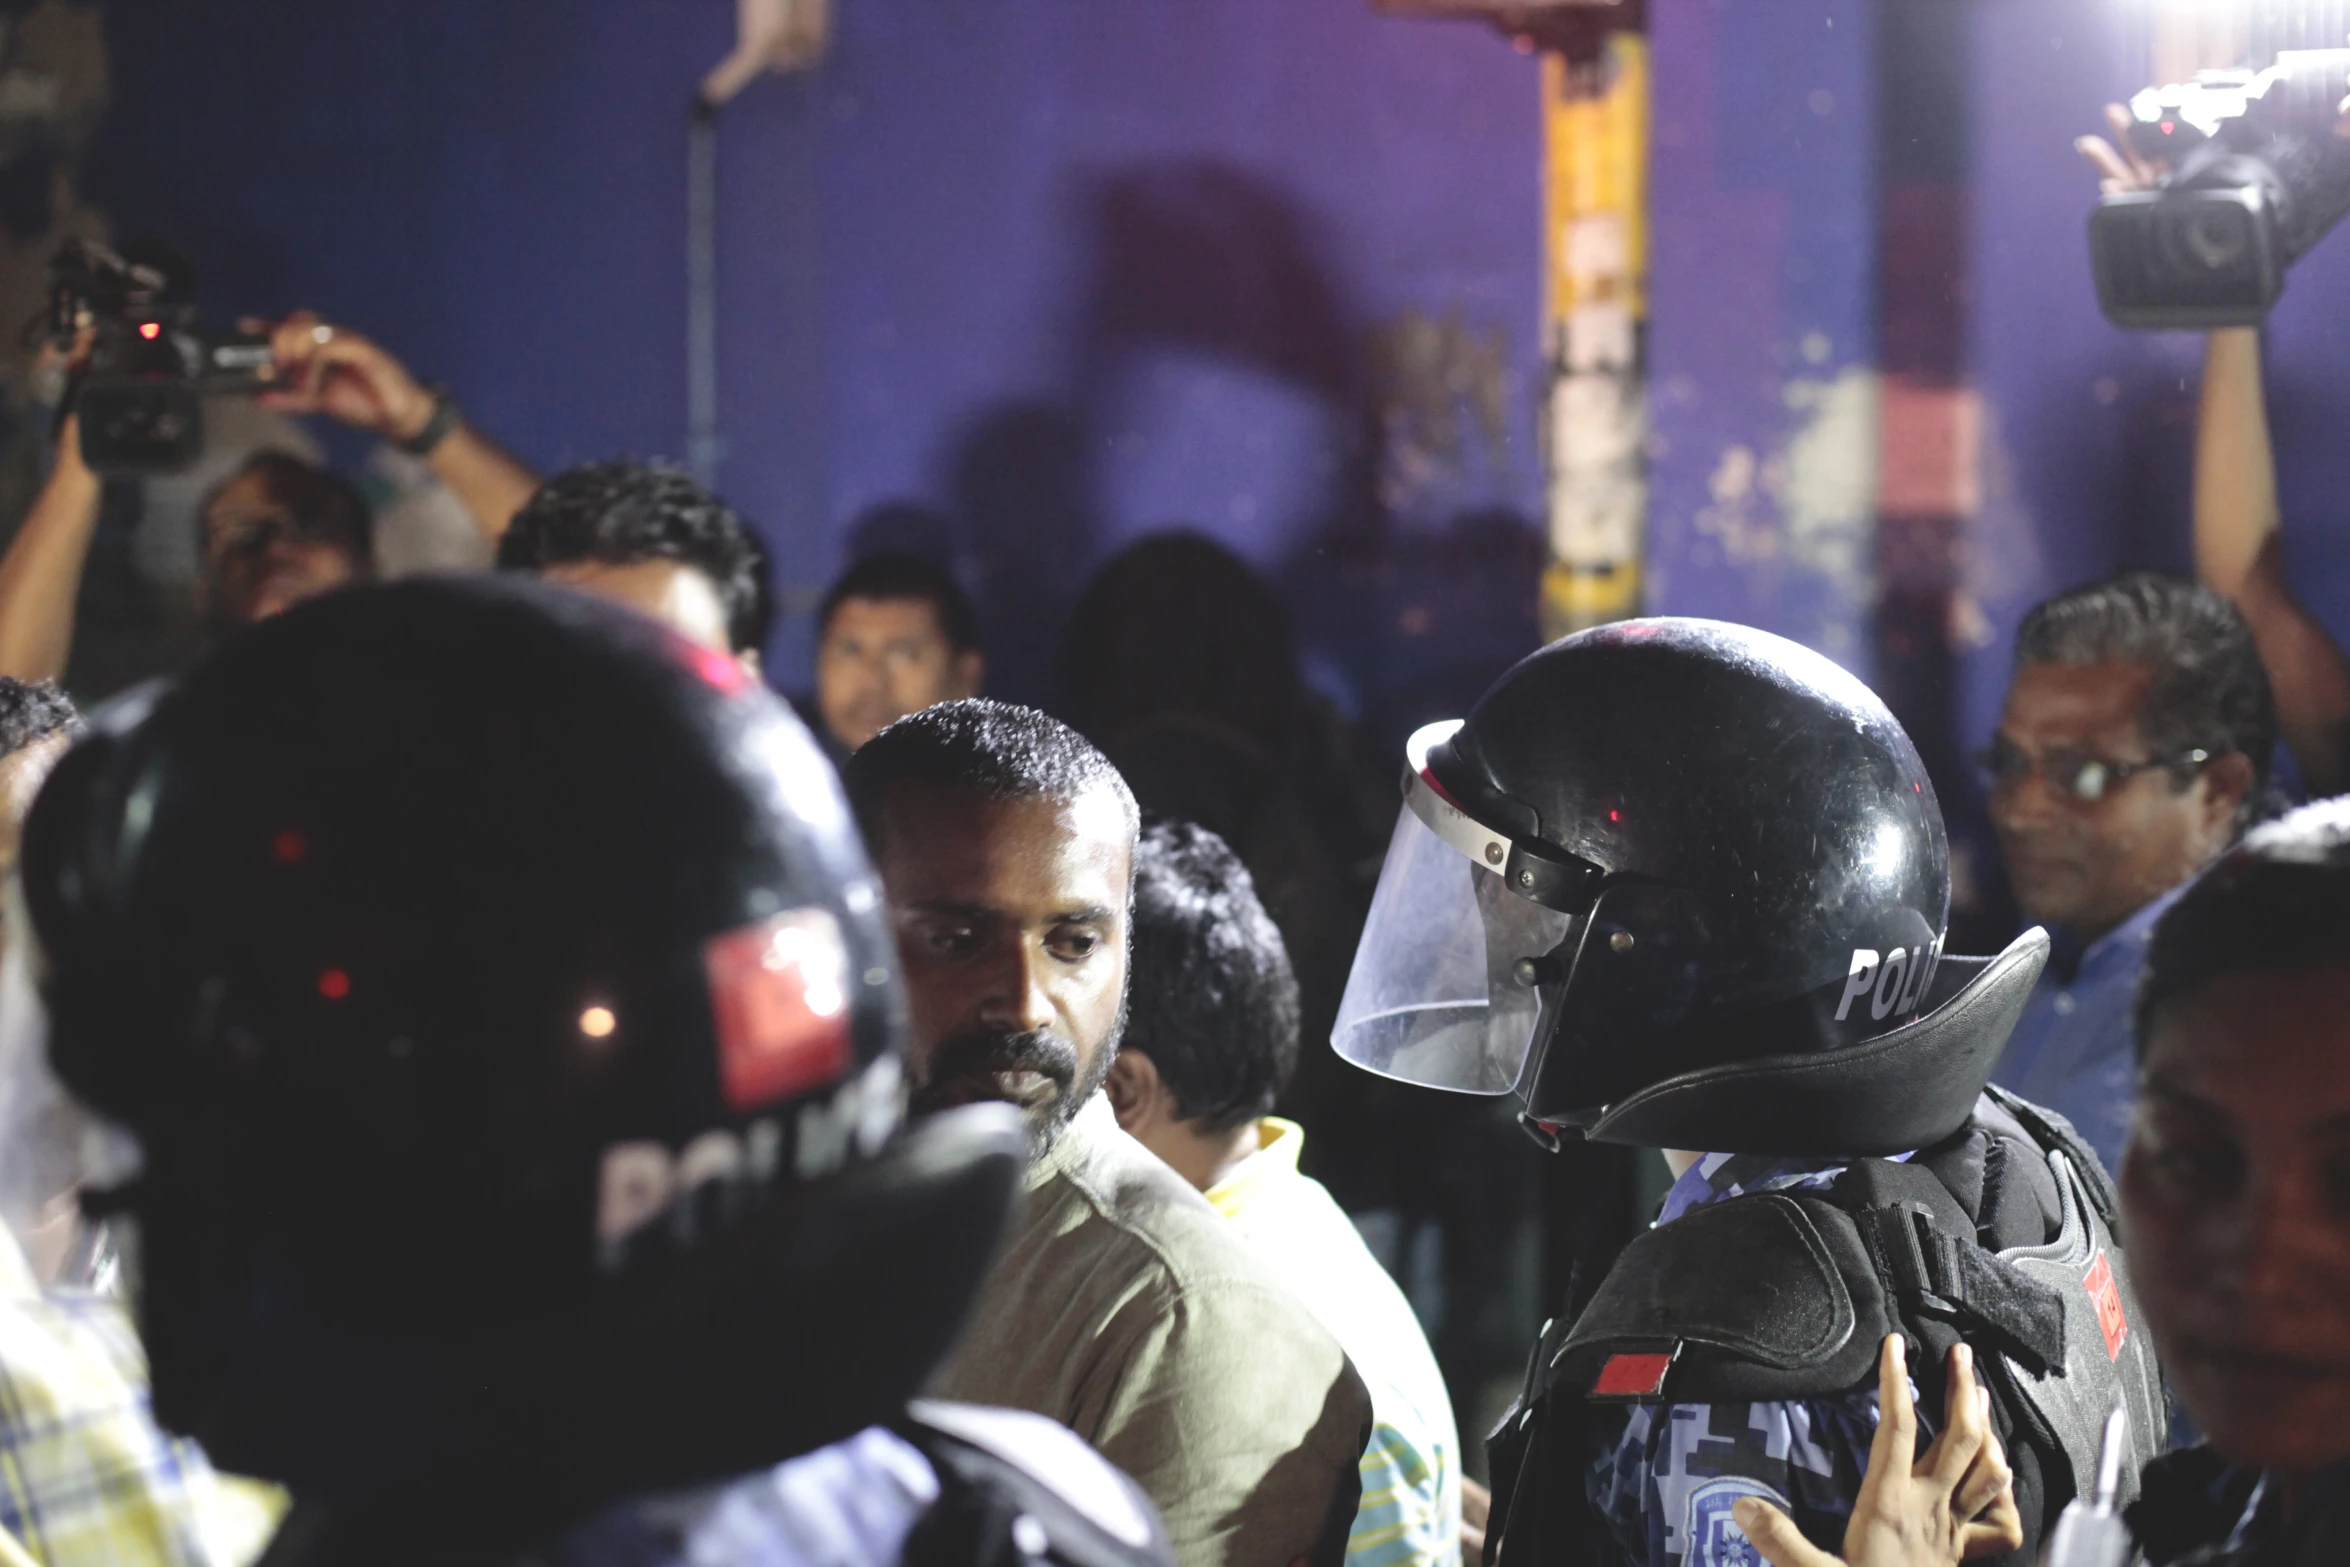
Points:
point(231, 534)
point(2076, 775)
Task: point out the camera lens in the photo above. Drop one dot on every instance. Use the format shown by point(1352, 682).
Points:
point(2216, 240)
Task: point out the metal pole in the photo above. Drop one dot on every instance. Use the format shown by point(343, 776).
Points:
point(702, 446)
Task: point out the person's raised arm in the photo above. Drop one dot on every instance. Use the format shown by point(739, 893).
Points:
point(41, 575)
point(2235, 471)
point(335, 371)
point(2239, 553)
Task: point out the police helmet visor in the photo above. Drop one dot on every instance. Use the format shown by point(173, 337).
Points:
point(1431, 999)
point(1461, 983)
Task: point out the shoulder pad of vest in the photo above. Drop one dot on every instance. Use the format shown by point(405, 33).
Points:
point(2054, 1133)
point(1059, 1498)
point(1787, 1295)
point(1759, 1297)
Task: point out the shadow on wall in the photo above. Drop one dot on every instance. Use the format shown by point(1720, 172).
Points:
point(1202, 255)
point(1422, 620)
point(1193, 255)
point(1021, 487)
point(1213, 264)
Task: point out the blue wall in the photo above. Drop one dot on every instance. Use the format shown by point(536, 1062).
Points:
point(1763, 314)
point(1073, 268)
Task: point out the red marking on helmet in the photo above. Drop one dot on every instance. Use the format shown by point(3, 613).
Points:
point(1428, 777)
point(1632, 1376)
point(779, 1001)
point(2169, 126)
point(2106, 1295)
point(334, 984)
point(1916, 788)
point(290, 847)
point(150, 329)
point(718, 669)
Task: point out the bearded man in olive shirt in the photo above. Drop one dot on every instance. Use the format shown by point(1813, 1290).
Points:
point(1121, 1306)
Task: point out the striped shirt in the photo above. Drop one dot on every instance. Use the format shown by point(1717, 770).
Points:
point(1411, 1507)
point(87, 1479)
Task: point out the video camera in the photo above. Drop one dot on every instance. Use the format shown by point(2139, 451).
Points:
point(2258, 173)
point(140, 393)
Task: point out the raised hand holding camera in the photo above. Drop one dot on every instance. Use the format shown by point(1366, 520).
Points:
point(334, 371)
point(2217, 186)
point(145, 366)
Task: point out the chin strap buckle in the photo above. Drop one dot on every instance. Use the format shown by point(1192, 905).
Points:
point(1543, 1132)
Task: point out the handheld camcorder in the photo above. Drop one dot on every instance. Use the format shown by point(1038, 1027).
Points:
point(2258, 173)
point(141, 393)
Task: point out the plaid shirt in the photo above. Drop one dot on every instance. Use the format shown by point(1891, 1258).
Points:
point(1665, 1484)
point(86, 1476)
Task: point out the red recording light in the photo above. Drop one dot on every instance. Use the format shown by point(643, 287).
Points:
point(1615, 816)
point(334, 984)
point(150, 329)
point(2169, 126)
point(290, 847)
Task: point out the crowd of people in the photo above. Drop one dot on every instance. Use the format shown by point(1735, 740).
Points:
point(483, 1079)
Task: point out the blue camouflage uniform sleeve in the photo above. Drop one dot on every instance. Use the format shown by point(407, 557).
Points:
point(1664, 1486)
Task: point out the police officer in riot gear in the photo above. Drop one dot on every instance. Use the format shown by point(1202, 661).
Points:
point(493, 1007)
point(1682, 884)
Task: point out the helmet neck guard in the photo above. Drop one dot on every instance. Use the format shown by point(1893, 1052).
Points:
point(1903, 1090)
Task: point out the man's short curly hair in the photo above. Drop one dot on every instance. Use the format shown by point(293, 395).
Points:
point(623, 513)
point(34, 711)
point(1211, 996)
point(994, 751)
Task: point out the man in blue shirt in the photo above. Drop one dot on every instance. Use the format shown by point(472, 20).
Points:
point(2133, 748)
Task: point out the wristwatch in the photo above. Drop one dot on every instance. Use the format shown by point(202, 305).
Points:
point(445, 417)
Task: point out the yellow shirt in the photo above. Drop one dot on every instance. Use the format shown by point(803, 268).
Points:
point(1411, 1508)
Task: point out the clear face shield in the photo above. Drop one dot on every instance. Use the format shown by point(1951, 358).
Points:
point(1435, 997)
point(1459, 979)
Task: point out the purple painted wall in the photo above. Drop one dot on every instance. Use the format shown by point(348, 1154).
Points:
point(1076, 270)
point(1071, 270)
point(1763, 320)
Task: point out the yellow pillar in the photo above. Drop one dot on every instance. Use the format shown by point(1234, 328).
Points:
point(1595, 315)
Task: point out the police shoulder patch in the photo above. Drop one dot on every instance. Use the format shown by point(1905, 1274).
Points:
point(1715, 1540)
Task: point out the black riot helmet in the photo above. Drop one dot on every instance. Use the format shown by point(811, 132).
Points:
point(499, 1001)
point(1683, 884)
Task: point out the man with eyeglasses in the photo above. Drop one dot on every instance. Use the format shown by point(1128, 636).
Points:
point(2133, 749)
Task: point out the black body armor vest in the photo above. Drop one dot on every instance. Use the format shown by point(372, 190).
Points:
point(2001, 1235)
